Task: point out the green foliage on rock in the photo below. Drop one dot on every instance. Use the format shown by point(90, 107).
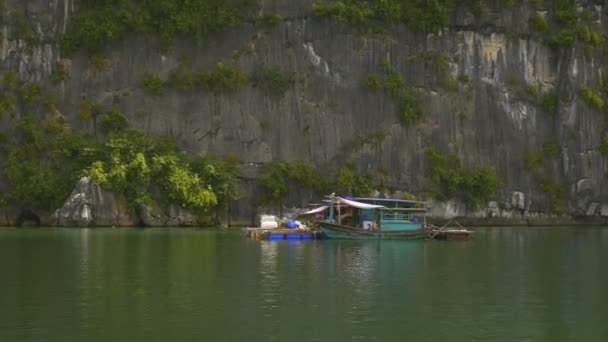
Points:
point(7, 103)
point(182, 186)
point(551, 147)
point(112, 120)
point(449, 178)
point(226, 78)
point(274, 182)
point(271, 80)
point(269, 19)
point(437, 60)
point(9, 80)
point(539, 23)
point(223, 78)
point(554, 191)
point(591, 97)
point(278, 178)
point(408, 105)
point(138, 166)
point(604, 145)
point(99, 22)
point(421, 15)
point(152, 83)
point(534, 161)
point(31, 92)
point(220, 175)
point(549, 104)
point(372, 82)
point(59, 74)
point(349, 181)
point(41, 168)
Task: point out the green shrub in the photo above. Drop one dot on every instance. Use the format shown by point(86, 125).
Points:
point(534, 161)
point(480, 184)
point(31, 92)
point(269, 19)
point(112, 121)
point(183, 79)
point(274, 182)
point(348, 181)
point(224, 78)
point(591, 97)
point(554, 191)
point(180, 184)
point(271, 80)
point(463, 78)
point(407, 100)
point(59, 74)
point(549, 104)
point(451, 83)
point(372, 82)
point(7, 103)
point(98, 23)
point(477, 185)
point(551, 147)
point(531, 90)
point(138, 165)
point(539, 23)
point(409, 106)
point(152, 83)
point(9, 80)
point(438, 60)
point(604, 145)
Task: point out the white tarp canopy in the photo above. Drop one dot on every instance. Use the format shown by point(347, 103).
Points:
point(359, 204)
point(315, 211)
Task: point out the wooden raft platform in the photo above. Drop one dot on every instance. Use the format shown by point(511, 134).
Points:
point(449, 233)
point(283, 234)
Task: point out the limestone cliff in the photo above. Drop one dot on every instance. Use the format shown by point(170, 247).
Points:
point(484, 103)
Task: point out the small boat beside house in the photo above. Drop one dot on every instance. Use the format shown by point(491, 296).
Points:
point(373, 218)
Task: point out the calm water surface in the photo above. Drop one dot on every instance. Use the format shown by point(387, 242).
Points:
point(508, 284)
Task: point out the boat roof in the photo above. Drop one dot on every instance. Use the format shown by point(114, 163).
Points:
point(380, 199)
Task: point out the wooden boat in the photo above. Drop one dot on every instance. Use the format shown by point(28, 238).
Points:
point(373, 218)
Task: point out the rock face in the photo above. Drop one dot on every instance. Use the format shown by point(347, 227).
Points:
point(174, 217)
point(90, 205)
point(490, 116)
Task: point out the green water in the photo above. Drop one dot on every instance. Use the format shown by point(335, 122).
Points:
point(508, 284)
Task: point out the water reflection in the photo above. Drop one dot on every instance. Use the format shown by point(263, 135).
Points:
point(507, 284)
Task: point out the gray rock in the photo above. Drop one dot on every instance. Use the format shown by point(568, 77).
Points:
point(152, 217)
point(90, 205)
point(604, 210)
point(591, 211)
point(174, 216)
point(489, 118)
point(518, 200)
point(179, 217)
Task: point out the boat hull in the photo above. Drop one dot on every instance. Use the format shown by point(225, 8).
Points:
point(335, 231)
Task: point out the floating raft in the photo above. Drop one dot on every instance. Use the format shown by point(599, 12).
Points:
point(283, 234)
point(450, 234)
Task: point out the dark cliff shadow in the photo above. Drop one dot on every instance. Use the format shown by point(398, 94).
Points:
point(27, 218)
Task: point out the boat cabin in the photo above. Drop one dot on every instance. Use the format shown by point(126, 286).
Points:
point(384, 214)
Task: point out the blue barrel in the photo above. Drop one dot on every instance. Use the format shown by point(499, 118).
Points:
point(291, 224)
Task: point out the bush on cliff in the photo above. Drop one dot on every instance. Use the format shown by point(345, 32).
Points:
point(449, 178)
point(99, 22)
